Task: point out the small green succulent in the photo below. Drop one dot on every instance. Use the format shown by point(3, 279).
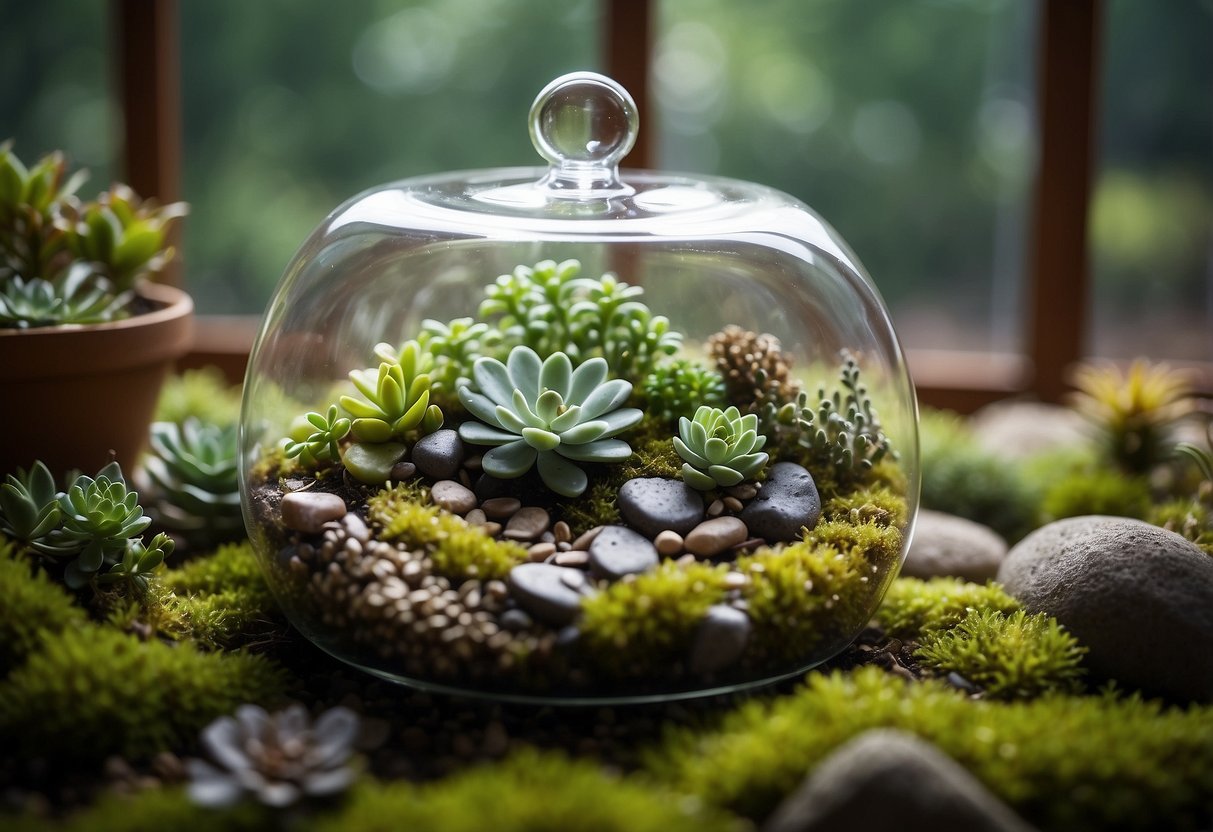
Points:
point(454, 346)
point(677, 388)
point(314, 439)
point(78, 296)
point(29, 504)
point(138, 563)
point(721, 447)
point(193, 474)
point(548, 415)
point(99, 515)
point(396, 398)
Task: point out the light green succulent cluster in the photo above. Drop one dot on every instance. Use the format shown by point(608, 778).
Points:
point(548, 415)
point(314, 437)
point(721, 447)
point(550, 308)
point(94, 522)
point(454, 348)
point(192, 481)
point(843, 431)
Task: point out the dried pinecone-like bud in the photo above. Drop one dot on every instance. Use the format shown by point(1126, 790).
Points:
point(755, 368)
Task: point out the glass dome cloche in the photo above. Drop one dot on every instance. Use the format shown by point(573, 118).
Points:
point(561, 435)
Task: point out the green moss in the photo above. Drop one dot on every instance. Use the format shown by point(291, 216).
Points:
point(1102, 491)
point(94, 691)
point(651, 457)
point(203, 394)
point(32, 607)
point(594, 508)
point(1190, 518)
point(868, 539)
point(155, 809)
point(912, 607)
point(878, 504)
point(529, 792)
point(457, 549)
point(1010, 656)
point(1063, 762)
point(636, 626)
point(961, 478)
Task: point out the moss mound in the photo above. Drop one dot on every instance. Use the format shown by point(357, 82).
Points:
point(1062, 762)
point(912, 607)
point(32, 607)
point(155, 809)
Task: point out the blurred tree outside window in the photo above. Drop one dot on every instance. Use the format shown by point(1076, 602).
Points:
point(1151, 228)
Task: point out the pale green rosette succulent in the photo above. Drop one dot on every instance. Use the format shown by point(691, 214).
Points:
point(546, 414)
point(721, 447)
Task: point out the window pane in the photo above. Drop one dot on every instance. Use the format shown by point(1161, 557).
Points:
point(55, 56)
point(1152, 216)
point(907, 125)
point(291, 108)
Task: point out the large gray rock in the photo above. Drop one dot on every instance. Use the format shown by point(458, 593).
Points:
point(1140, 597)
point(947, 545)
point(887, 779)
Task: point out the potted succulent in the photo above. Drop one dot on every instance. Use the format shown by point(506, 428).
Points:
point(85, 336)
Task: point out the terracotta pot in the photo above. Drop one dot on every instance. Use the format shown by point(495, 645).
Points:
point(73, 395)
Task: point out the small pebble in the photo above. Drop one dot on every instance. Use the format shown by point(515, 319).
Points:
point(743, 492)
point(453, 497)
point(308, 511)
point(515, 620)
point(668, 543)
point(712, 537)
point(716, 508)
point(584, 541)
point(402, 471)
point(619, 551)
point(438, 455)
point(547, 592)
point(527, 524)
point(735, 580)
point(720, 639)
point(500, 508)
point(562, 532)
point(541, 551)
point(491, 529)
point(576, 558)
point(732, 504)
point(476, 517)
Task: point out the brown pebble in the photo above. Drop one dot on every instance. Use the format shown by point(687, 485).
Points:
point(711, 537)
point(455, 498)
point(732, 504)
point(716, 508)
point(527, 523)
point(308, 511)
point(745, 491)
point(491, 529)
point(584, 541)
point(402, 471)
point(668, 543)
point(465, 478)
point(476, 517)
point(749, 545)
point(562, 532)
point(573, 557)
point(540, 551)
point(499, 508)
point(472, 463)
point(564, 547)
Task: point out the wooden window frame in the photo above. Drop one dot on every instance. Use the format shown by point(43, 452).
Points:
point(1056, 325)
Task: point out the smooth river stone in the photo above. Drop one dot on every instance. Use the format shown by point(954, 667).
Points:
point(439, 454)
point(711, 537)
point(619, 551)
point(308, 511)
point(455, 498)
point(654, 504)
point(720, 639)
point(551, 594)
point(787, 502)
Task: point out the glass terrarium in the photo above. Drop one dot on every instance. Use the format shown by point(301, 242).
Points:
point(560, 434)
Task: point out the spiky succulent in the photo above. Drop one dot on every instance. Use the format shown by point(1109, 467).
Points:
point(29, 504)
point(139, 562)
point(77, 296)
point(548, 415)
point(721, 447)
point(193, 474)
point(99, 515)
point(1134, 410)
point(314, 439)
point(678, 388)
point(395, 399)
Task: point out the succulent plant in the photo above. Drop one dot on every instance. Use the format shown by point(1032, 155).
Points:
point(77, 296)
point(535, 306)
point(278, 759)
point(30, 243)
point(548, 415)
point(193, 486)
point(678, 388)
point(139, 562)
point(612, 323)
point(721, 447)
point(396, 398)
point(29, 504)
point(1134, 410)
point(99, 515)
point(315, 438)
point(454, 346)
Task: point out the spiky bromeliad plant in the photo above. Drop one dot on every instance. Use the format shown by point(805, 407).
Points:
point(548, 415)
point(721, 447)
point(193, 469)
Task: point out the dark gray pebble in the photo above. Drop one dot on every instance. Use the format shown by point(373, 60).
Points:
point(655, 504)
point(787, 503)
point(619, 551)
point(439, 454)
point(547, 592)
point(515, 621)
point(720, 639)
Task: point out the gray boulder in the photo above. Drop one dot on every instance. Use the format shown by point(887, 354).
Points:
point(886, 779)
point(1139, 597)
point(945, 544)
